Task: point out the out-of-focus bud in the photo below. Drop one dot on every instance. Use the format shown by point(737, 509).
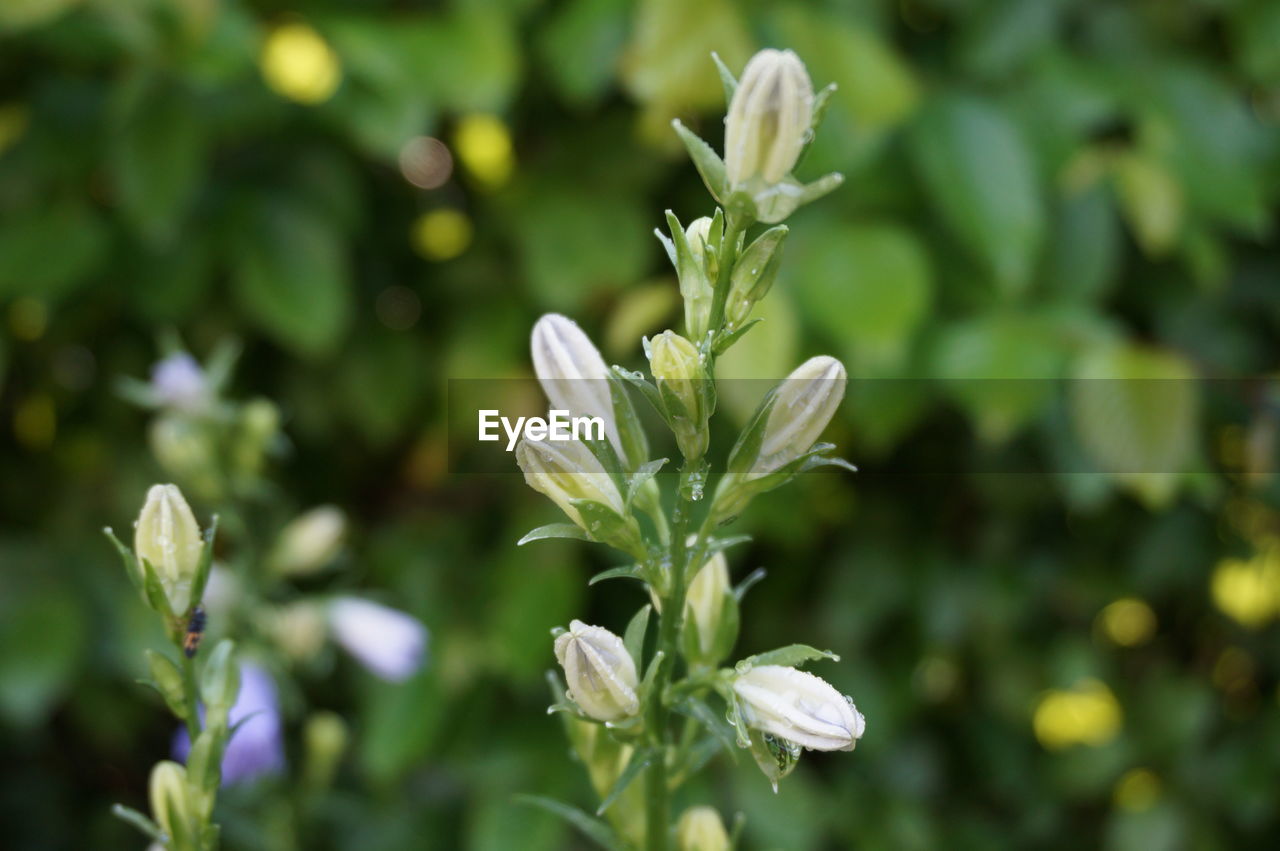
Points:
point(599, 672)
point(576, 481)
point(171, 804)
point(324, 741)
point(684, 388)
point(711, 613)
point(168, 538)
point(797, 706)
point(753, 275)
point(257, 429)
point(182, 448)
point(178, 382)
point(220, 683)
point(300, 629)
point(390, 643)
point(576, 379)
point(310, 541)
point(700, 829)
point(256, 747)
point(168, 681)
point(769, 118)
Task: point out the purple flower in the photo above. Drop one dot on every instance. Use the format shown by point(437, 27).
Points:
point(255, 748)
point(387, 641)
point(179, 382)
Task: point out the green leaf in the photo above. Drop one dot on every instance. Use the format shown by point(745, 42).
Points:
point(637, 479)
point(626, 571)
point(633, 637)
point(579, 47)
point(706, 160)
point(50, 251)
point(727, 80)
point(138, 820)
point(42, 640)
point(554, 530)
point(721, 729)
point(791, 655)
point(1151, 199)
point(290, 276)
point(981, 176)
point(590, 826)
point(639, 761)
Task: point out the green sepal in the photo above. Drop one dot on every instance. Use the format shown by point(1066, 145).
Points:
point(705, 159)
point(746, 449)
point(821, 103)
point(790, 656)
point(644, 473)
point(640, 760)
point(154, 594)
point(776, 757)
point(167, 680)
point(727, 79)
point(626, 571)
point(131, 567)
point(606, 526)
point(220, 683)
point(740, 590)
point(131, 816)
point(755, 271)
point(724, 340)
point(772, 203)
point(590, 826)
point(635, 445)
point(554, 530)
point(633, 637)
point(650, 393)
point(204, 768)
point(204, 566)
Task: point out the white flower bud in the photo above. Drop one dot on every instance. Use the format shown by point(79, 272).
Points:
point(171, 804)
point(599, 672)
point(310, 541)
point(799, 707)
point(705, 603)
point(768, 118)
point(390, 643)
point(683, 385)
point(573, 374)
point(565, 472)
point(168, 537)
point(700, 829)
point(803, 404)
point(179, 382)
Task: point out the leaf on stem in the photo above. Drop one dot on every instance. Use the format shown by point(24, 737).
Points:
point(626, 571)
point(791, 655)
point(633, 638)
point(701, 711)
point(138, 820)
point(554, 530)
point(639, 762)
point(643, 474)
point(707, 161)
point(590, 826)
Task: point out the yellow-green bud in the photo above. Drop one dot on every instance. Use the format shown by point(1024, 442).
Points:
point(325, 740)
point(706, 604)
point(684, 388)
point(768, 118)
point(697, 282)
point(599, 672)
point(168, 538)
point(310, 541)
point(700, 829)
point(171, 804)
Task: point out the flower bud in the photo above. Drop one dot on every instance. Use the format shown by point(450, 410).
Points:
point(599, 672)
point(799, 707)
point(700, 829)
point(710, 605)
point(220, 683)
point(684, 388)
point(390, 643)
point(768, 119)
point(300, 629)
point(802, 406)
point(324, 741)
point(178, 382)
point(568, 472)
point(168, 681)
point(168, 538)
point(183, 449)
point(698, 274)
point(753, 275)
point(310, 541)
point(576, 379)
point(257, 430)
point(171, 804)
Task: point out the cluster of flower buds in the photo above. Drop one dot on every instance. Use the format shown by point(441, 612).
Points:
point(780, 440)
point(685, 391)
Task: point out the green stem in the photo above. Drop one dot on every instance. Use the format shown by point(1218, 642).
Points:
point(728, 255)
point(189, 694)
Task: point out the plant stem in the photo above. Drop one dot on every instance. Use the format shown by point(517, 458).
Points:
point(190, 694)
point(733, 227)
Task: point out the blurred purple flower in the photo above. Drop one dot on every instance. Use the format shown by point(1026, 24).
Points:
point(179, 382)
point(255, 748)
point(387, 641)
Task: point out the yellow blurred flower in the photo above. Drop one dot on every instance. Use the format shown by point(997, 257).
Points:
point(483, 144)
point(297, 63)
point(1086, 714)
point(441, 234)
point(1128, 622)
point(14, 118)
point(1248, 591)
point(1136, 791)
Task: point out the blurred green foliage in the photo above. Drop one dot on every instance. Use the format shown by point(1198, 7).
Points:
point(1036, 189)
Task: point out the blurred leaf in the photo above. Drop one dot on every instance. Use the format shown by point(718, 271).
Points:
point(42, 638)
point(590, 826)
point(50, 251)
point(380, 383)
point(579, 47)
point(469, 58)
point(290, 275)
point(1003, 35)
point(641, 311)
point(23, 14)
point(400, 721)
point(982, 178)
point(1085, 251)
point(1151, 200)
point(868, 285)
point(1136, 410)
point(1256, 31)
point(531, 591)
point(766, 355)
point(156, 156)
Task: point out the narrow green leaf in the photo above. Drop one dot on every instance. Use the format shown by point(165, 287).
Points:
point(637, 479)
point(741, 589)
point(633, 638)
point(626, 571)
point(727, 79)
point(707, 161)
point(138, 820)
point(554, 530)
point(590, 826)
point(791, 655)
point(639, 761)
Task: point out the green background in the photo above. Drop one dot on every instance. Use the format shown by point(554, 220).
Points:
point(1036, 189)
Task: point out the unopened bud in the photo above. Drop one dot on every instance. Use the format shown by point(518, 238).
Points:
point(698, 274)
point(753, 275)
point(390, 643)
point(700, 829)
point(179, 382)
point(324, 740)
point(171, 804)
point(168, 680)
point(768, 119)
point(310, 541)
point(799, 707)
point(300, 629)
point(220, 683)
point(168, 538)
point(712, 609)
point(599, 672)
point(574, 478)
point(801, 407)
point(684, 388)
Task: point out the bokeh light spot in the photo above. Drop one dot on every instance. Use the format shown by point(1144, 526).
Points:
point(297, 63)
point(1248, 591)
point(28, 319)
point(1128, 622)
point(426, 162)
point(1086, 714)
point(441, 234)
point(484, 145)
point(35, 423)
point(1136, 791)
point(14, 118)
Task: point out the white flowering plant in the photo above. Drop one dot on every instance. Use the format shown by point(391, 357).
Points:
point(644, 714)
